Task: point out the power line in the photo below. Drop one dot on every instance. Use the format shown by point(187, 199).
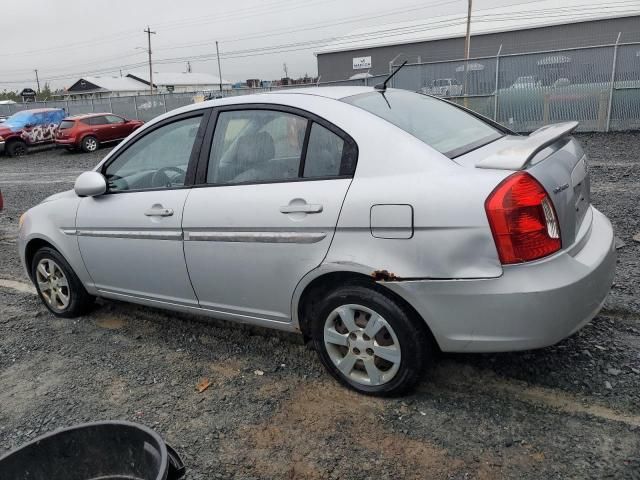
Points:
point(337, 41)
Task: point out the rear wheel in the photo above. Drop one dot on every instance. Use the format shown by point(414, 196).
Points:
point(17, 148)
point(89, 144)
point(369, 341)
point(58, 286)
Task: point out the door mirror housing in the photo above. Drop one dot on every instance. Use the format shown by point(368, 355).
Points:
point(90, 184)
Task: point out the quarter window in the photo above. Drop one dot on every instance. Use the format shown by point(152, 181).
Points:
point(157, 160)
point(256, 146)
point(324, 153)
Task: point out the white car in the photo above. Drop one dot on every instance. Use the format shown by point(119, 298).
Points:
point(447, 87)
point(382, 225)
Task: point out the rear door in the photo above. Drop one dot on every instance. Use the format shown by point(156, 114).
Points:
point(271, 185)
point(100, 128)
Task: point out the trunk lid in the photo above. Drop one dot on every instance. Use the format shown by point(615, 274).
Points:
point(555, 159)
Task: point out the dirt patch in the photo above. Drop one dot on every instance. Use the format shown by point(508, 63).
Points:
point(17, 286)
point(111, 323)
point(303, 432)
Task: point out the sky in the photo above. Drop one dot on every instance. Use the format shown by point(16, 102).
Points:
point(67, 39)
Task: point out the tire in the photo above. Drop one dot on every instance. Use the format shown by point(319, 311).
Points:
point(89, 144)
point(17, 148)
point(401, 338)
point(52, 287)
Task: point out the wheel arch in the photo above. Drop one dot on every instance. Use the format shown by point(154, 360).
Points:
point(328, 277)
point(30, 249)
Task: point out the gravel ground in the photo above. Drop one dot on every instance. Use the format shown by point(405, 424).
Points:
point(568, 411)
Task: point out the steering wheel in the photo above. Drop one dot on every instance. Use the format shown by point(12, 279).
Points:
point(161, 179)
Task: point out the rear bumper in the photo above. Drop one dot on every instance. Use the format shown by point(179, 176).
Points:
point(530, 306)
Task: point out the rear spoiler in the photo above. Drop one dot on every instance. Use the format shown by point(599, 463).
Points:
point(519, 151)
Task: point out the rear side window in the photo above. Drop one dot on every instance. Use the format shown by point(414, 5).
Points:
point(65, 124)
point(448, 129)
point(100, 120)
point(256, 146)
point(324, 153)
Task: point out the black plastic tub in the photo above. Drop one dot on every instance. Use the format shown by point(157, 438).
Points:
point(94, 451)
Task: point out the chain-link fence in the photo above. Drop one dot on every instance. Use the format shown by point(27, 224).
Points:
point(598, 86)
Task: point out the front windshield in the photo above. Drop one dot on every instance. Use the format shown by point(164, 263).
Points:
point(18, 120)
point(443, 126)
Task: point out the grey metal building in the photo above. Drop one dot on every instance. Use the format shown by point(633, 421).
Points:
point(552, 25)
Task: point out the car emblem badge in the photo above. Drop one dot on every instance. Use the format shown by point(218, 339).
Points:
point(560, 188)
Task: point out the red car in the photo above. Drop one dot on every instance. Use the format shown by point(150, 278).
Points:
point(90, 130)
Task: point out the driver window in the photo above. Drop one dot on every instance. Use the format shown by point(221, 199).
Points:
point(157, 160)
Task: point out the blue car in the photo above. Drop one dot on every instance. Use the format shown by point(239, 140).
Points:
point(29, 127)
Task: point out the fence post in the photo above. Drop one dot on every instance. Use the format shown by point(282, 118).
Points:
point(135, 105)
point(613, 81)
point(164, 102)
point(110, 105)
point(67, 103)
point(93, 107)
point(495, 93)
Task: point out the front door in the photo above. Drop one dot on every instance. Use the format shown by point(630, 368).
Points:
point(131, 237)
point(267, 212)
point(117, 127)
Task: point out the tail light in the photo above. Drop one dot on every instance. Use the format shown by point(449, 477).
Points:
point(522, 219)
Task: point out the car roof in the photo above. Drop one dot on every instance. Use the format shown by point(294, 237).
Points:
point(81, 116)
point(40, 110)
point(335, 92)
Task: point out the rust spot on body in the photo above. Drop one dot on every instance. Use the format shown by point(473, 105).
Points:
point(385, 276)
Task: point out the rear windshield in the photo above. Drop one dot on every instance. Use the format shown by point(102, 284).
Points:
point(447, 128)
point(66, 124)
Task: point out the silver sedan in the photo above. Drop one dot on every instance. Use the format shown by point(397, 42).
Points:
point(382, 225)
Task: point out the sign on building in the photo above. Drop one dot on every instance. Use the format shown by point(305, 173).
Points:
point(360, 63)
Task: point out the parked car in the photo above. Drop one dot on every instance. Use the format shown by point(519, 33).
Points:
point(89, 131)
point(27, 128)
point(381, 227)
point(443, 87)
point(3, 118)
point(529, 81)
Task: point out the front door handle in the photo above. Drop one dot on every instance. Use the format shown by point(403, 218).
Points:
point(301, 208)
point(159, 211)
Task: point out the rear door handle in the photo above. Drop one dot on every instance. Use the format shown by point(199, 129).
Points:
point(303, 208)
point(159, 211)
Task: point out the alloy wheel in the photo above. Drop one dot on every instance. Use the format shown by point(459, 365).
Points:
point(362, 345)
point(53, 284)
point(91, 144)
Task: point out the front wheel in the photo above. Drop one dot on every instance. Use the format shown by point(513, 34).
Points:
point(369, 341)
point(58, 286)
point(89, 144)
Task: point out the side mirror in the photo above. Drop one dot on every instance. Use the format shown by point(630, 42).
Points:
point(90, 184)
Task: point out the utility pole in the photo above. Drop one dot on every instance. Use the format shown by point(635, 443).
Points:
point(467, 50)
point(37, 80)
point(219, 69)
point(149, 33)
